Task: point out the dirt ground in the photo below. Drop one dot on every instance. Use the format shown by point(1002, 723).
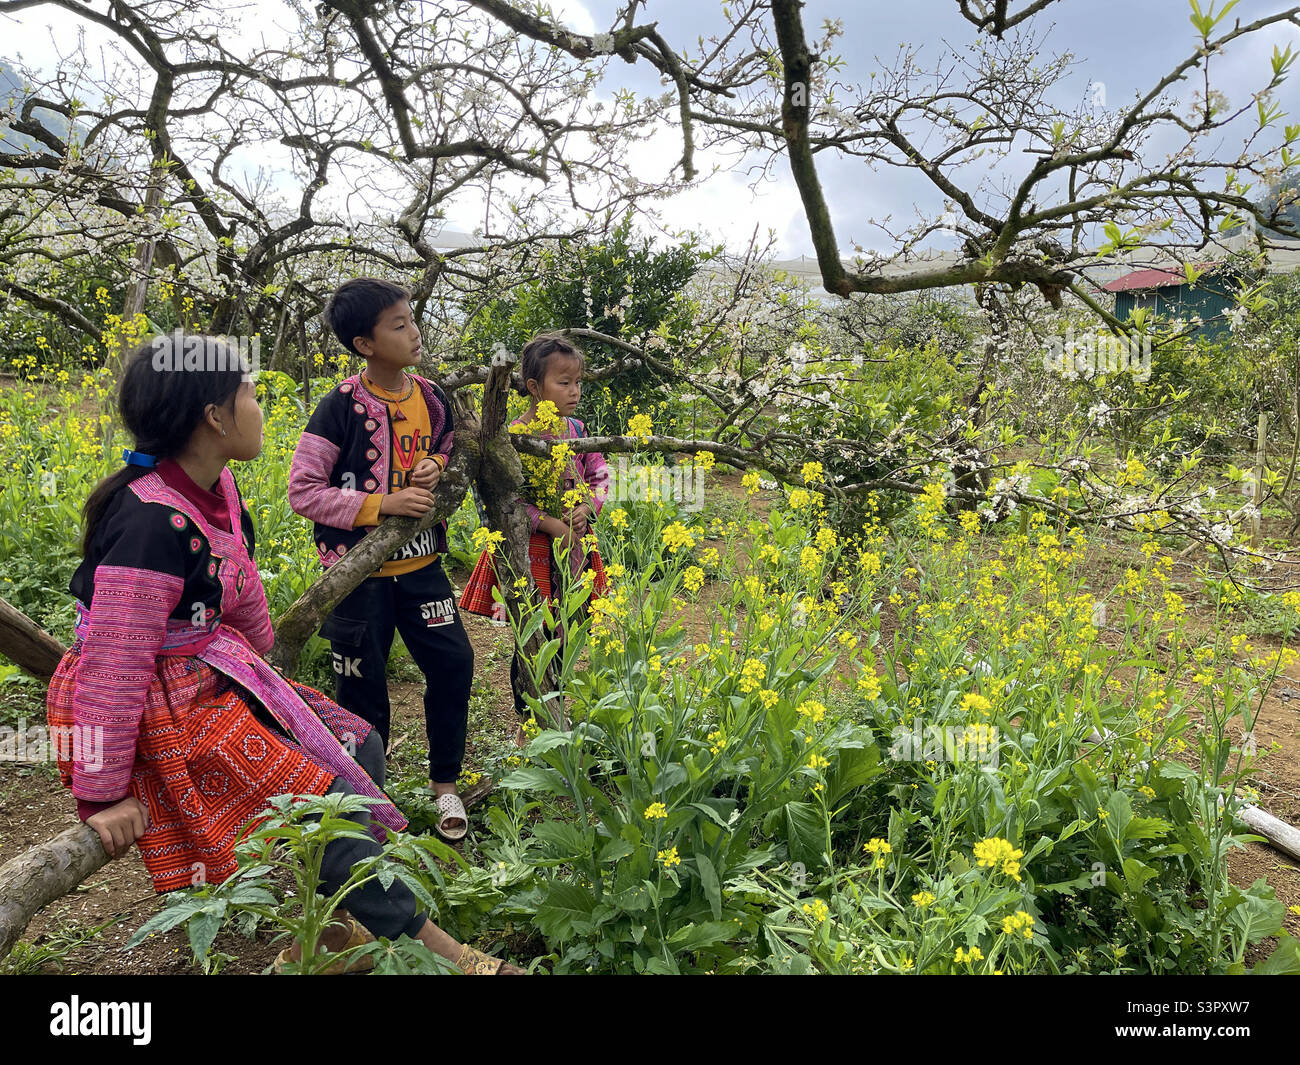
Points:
point(83, 933)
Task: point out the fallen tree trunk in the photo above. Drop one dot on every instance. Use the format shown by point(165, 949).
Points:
point(28, 645)
point(39, 876)
point(1279, 834)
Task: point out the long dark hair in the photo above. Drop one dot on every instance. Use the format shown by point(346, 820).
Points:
point(533, 364)
point(162, 403)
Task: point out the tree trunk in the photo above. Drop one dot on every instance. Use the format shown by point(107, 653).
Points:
point(39, 876)
point(28, 645)
point(500, 477)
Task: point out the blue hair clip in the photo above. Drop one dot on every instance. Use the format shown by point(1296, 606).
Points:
point(137, 458)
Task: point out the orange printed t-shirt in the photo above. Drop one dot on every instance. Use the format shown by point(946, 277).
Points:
point(412, 443)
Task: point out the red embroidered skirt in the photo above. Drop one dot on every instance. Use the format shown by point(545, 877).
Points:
point(477, 596)
point(205, 767)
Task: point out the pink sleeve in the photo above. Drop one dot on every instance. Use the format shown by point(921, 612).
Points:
point(127, 624)
point(595, 472)
point(310, 491)
point(534, 515)
point(250, 614)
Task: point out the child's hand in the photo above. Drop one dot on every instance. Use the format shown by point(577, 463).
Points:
point(578, 518)
point(120, 826)
point(571, 538)
point(426, 474)
point(408, 503)
point(560, 529)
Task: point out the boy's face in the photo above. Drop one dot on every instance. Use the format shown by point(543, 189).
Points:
point(395, 340)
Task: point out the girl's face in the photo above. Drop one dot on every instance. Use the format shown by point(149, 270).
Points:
point(243, 439)
point(561, 383)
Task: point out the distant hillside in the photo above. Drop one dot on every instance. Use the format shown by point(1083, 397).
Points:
point(12, 95)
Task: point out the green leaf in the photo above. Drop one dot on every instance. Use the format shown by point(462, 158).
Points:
point(854, 767)
point(1146, 828)
point(204, 927)
point(614, 850)
point(564, 911)
point(805, 832)
point(713, 810)
point(1283, 961)
point(535, 778)
point(671, 776)
point(548, 740)
point(698, 936)
point(175, 914)
point(560, 839)
point(709, 882)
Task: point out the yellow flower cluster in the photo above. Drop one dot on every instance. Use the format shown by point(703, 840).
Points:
point(752, 674)
point(817, 910)
point(669, 858)
point(676, 536)
point(656, 811)
point(1019, 922)
point(486, 539)
point(879, 848)
point(995, 852)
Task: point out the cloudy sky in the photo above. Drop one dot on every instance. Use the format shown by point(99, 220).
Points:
point(1123, 45)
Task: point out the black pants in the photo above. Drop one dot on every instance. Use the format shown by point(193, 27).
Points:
point(422, 607)
point(383, 912)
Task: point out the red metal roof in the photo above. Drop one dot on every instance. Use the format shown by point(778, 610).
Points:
point(1146, 279)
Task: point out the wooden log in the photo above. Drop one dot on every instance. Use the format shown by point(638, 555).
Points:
point(39, 876)
point(1279, 834)
point(28, 645)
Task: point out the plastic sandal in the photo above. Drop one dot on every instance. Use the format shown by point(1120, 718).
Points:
point(476, 963)
point(450, 808)
point(359, 937)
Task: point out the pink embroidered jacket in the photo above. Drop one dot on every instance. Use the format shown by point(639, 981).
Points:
point(345, 455)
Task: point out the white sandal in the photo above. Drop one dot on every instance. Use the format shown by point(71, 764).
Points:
point(452, 809)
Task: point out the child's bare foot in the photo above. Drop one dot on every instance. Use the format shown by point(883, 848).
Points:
point(521, 737)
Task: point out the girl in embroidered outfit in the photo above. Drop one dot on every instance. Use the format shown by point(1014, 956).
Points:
point(195, 730)
point(551, 370)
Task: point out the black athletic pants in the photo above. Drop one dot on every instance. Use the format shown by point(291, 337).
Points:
point(386, 912)
point(422, 607)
